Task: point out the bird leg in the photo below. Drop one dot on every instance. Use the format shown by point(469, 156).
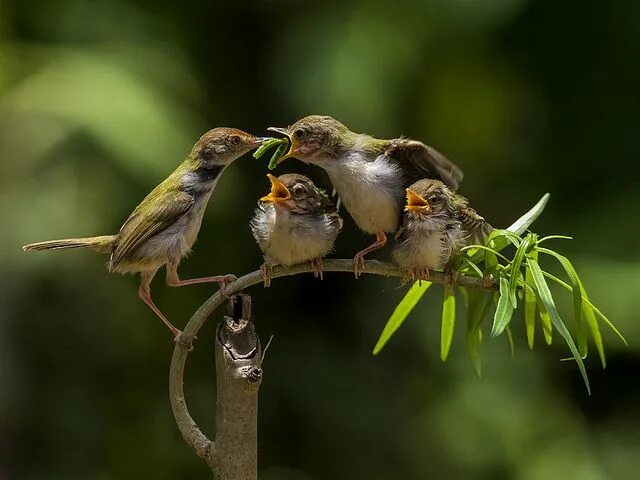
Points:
point(316, 264)
point(144, 292)
point(173, 279)
point(358, 259)
point(267, 270)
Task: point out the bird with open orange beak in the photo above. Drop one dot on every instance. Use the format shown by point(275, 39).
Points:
point(369, 174)
point(294, 223)
point(436, 224)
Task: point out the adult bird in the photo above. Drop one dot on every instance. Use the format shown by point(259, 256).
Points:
point(436, 224)
point(164, 226)
point(295, 223)
point(369, 174)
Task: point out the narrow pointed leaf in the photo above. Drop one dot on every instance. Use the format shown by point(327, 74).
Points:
point(504, 310)
point(554, 237)
point(545, 320)
point(592, 322)
point(510, 339)
point(478, 304)
point(597, 311)
point(546, 298)
point(448, 322)
point(530, 304)
point(519, 227)
point(402, 310)
point(576, 289)
point(516, 265)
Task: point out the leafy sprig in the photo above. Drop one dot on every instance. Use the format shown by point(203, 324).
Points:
point(516, 280)
point(280, 144)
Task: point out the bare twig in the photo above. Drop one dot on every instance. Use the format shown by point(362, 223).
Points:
point(190, 432)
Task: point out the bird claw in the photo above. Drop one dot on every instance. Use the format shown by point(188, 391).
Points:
point(358, 265)
point(177, 337)
point(266, 274)
point(316, 264)
point(224, 283)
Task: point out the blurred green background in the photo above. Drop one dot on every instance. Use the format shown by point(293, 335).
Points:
point(100, 100)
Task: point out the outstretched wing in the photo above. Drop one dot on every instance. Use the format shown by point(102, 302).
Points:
point(475, 226)
point(422, 161)
point(153, 215)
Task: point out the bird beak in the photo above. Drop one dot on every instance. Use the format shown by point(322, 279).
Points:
point(293, 149)
point(415, 203)
point(279, 193)
point(257, 141)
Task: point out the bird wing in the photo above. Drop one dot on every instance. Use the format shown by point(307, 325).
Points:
point(423, 161)
point(152, 216)
point(476, 227)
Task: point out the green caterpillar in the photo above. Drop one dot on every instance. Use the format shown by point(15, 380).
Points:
point(283, 145)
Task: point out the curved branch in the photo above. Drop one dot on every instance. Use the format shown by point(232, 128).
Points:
point(188, 427)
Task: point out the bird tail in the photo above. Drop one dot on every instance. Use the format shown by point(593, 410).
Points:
point(101, 244)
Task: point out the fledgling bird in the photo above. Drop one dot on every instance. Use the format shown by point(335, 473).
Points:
point(436, 224)
point(164, 226)
point(295, 223)
point(369, 174)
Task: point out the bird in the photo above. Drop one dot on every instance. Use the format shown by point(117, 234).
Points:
point(295, 223)
point(162, 229)
point(369, 174)
point(436, 224)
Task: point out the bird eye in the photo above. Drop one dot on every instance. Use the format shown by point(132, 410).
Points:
point(297, 191)
point(234, 139)
point(434, 199)
point(299, 133)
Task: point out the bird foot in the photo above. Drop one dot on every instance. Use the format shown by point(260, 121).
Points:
point(177, 337)
point(224, 283)
point(266, 270)
point(316, 264)
point(358, 264)
point(415, 274)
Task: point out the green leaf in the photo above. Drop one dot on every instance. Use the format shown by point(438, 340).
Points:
point(576, 289)
point(504, 310)
point(510, 339)
point(519, 227)
point(525, 221)
point(478, 304)
point(402, 310)
point(545, 320)
point(554, 237)
point(530, 304)
point(475, 248)
point(544, 294)
point(472, 265)
point(516, 265)
point(602, 316)
point(448, 321)
point(590, 316)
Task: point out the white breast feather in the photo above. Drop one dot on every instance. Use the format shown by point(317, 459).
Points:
point(371, 191)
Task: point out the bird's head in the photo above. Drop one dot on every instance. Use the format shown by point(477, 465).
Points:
point(314, 137)
point(295, 193)
point(429, 198)
point(223, 145)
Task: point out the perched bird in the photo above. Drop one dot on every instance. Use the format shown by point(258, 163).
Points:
point(295, 223)
point(163, 228)
point(436, 224)
point(369, 174)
